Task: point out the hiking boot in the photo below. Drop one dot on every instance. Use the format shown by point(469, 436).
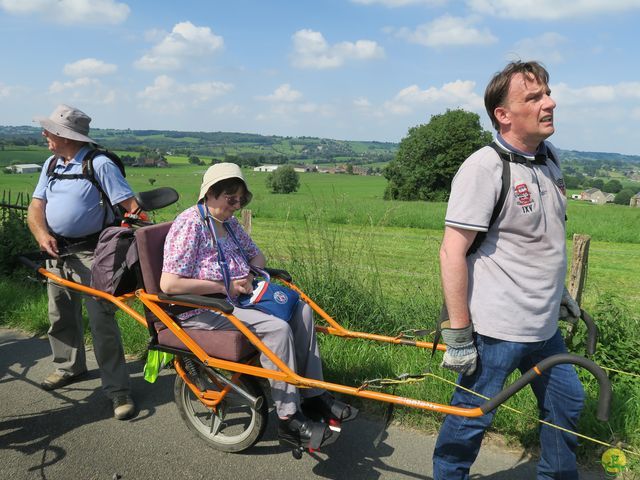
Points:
point(56, 380)
point(123, 407)
point(298, 430)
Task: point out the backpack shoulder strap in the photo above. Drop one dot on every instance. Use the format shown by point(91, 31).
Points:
point(88, 172)
point(504, 190)
point(51, 172)
point(52, 165)
point(551, 156)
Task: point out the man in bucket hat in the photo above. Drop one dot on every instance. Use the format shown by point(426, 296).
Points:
point(66, 212)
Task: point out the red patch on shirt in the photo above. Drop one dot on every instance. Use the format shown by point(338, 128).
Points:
point(523, 197)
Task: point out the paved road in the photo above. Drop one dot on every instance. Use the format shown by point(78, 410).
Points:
point(70, 434)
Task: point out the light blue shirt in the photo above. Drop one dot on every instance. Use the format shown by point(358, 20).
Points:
point(73, 206)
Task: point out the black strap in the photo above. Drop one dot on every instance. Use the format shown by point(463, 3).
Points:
point(444, 315)
point(208, 220)
point(88, 173)
point(508, 158)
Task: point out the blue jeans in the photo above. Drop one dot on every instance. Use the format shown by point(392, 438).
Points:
point(560, 399)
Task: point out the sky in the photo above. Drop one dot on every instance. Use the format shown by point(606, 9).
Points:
point(341, 69)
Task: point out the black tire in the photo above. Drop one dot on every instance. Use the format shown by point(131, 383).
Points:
point(240, 426)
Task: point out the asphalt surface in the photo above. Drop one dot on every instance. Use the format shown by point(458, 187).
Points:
point(70, 434)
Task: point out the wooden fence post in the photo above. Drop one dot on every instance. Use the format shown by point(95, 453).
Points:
point(579, 264)
point(578, 274)
point(246, 221)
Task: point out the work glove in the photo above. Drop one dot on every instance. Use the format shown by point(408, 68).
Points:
point(569, 308)
point(461, 355)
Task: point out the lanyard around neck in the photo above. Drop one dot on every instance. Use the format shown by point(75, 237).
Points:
point(224, 266)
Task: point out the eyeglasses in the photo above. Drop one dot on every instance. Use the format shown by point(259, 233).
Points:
point(232, 200)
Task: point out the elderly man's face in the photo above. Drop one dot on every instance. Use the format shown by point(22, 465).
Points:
point(529, 110)
point(54, 142)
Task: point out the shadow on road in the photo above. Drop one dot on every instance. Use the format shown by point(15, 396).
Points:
point(77, 405)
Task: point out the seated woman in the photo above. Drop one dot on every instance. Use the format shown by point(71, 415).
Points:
point(191, 267)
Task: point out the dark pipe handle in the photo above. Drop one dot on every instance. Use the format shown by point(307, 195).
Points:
point(592, 332)
point(28, 262)
point(278, 273)
point(214, 300)
point(604, 385)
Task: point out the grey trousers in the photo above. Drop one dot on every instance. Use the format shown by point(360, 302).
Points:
point(66, 334)
point(293, 342)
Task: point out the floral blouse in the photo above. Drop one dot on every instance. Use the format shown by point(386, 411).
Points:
point(190, 250)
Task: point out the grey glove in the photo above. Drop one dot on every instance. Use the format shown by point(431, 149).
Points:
point(461, 355)
point(569, 308)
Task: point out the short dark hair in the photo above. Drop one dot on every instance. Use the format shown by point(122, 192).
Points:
point(229, 186)
point(498, 88)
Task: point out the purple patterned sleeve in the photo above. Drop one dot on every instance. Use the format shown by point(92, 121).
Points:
point(181, 245)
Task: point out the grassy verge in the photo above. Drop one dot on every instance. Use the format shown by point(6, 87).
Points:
point(385, 280)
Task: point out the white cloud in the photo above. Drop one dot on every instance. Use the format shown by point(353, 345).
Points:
point(361, 102)
point(229, 109)
point(458, 94)
point(83, 90)
point(186, 41)
point(551, 9)
point(165, 88)
point(286, 105)
point(70, 11)
point(449, 31)
point(291, 112)
point(400, 3)
point(89, 67)
point(5, 90)
point(284, 93)
point(542, 48)
point(595, 94)
point(311, 50)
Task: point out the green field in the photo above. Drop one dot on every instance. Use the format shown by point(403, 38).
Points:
point(373, 264)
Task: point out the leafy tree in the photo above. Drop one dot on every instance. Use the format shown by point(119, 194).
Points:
point(429, 156)
point(571, 181)
point(195, 160)
point(623, 197)
point(613, 186)
point(597, 183)
point(127, 159)
point(283, 180)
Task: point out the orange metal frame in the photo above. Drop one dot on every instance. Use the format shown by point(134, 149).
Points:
point(212, 398)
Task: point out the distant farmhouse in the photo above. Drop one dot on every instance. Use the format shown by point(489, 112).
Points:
point(597, 196)
point(151, 162)
point(266, 168)
point(305, 168)
point(635, 200)
point(297, 168)
point(24, 168)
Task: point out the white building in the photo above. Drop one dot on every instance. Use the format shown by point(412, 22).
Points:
point(25, 168)
point(266, 168)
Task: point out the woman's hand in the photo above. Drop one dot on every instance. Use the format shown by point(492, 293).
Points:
point(241, 286)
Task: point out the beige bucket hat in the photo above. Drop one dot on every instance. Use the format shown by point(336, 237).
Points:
point(222, 171)
point(67, 122)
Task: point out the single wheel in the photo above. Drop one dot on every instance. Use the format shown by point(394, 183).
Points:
point(236, 426)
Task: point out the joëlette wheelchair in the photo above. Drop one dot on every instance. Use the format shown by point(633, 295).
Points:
point(217, 390)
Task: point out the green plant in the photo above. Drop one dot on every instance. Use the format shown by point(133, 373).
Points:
point(284, 180)
point(430, 154)
point(15, 238)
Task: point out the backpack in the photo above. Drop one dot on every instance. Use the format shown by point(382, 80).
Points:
point(507, 158)
point(88, 173)
point(114, 261)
